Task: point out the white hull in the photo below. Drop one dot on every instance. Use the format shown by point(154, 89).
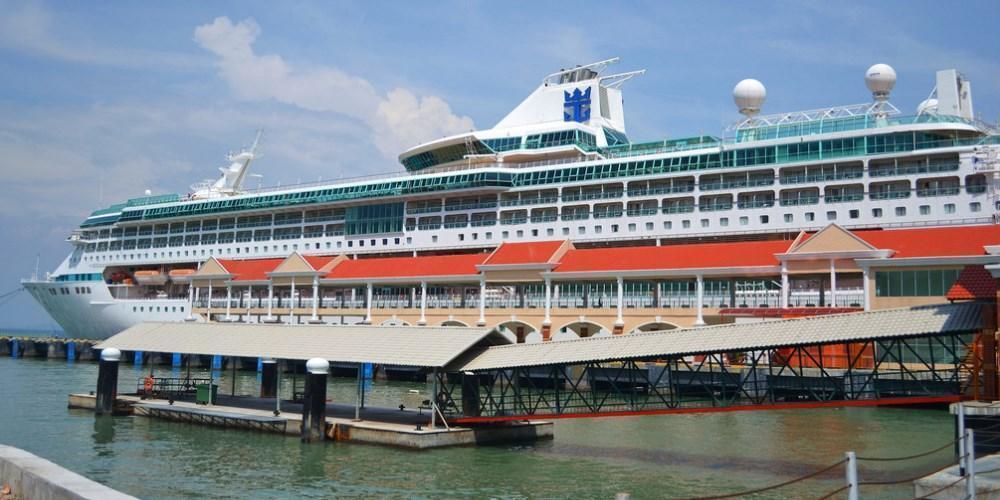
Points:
point(86, 309)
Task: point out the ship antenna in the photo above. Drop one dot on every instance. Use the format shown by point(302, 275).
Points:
point(34, 277)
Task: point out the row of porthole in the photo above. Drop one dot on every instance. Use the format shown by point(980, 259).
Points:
point(79, 290)
point(165, 309)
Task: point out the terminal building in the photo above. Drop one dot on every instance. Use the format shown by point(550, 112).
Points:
point(552, 290)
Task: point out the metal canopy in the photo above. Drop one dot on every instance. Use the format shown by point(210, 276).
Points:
point(426, 347)
point(739, 337)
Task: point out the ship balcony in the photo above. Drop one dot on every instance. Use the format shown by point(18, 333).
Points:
point(715, 207)
point(803, 179)
point(913, 168)
point(423, 210)
point(735, 184)
point(938, 191)
point(889, 195)
point(529, 201)
point(678, 209)
point(484, 222)
point(607, 195)
point(755, 204)
point(843, 198)
point(661, 190)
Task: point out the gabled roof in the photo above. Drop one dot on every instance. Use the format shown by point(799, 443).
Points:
point(974, 283)
point(250, 269)
point(407, 267)
point(304, 264)
point(832, 238)
point(693, 256)
point(949, 241)
point(527, 253)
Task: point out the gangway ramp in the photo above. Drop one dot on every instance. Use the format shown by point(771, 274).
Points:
point(897, 356)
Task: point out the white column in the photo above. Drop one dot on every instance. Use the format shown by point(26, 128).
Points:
point(548, 302)
point(368, 305)
point(867, 288)
point(249, 302)
point(315, 315)
point(291, 305)
point(482, 302)
point(620, 320)
point(784, 285)
point(270, 299)
point(833, 283)
point(700, 318)
point(229, 301)
point(423, 304)
point(191, 300)
point(209, 311)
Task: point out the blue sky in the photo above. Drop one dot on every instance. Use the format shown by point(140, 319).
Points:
point(101, 101)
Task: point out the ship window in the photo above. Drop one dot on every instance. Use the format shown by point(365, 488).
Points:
point(597, 229)
point(434, 238)
point(925, 209)
point(854, 214)
point(949, 208)
point(686, 224)
point(534, 232)
point(744, 220)
point(182, 308)
point(461, 237)
point(764, 219)
point(831, 215)
point(704, 223)
point(565, 230)
point(520, 233)
point(789, 218)
point(810, 216)
point(649, 226)
point(876, 212)
point(668, 224)
point(975, 207)
point(581, 230)
point(505, 235)
point(900, 211)
point(133, 308)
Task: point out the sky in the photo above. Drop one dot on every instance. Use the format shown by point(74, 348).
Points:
point(100, 101)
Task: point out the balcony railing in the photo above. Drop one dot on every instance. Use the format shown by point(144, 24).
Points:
point(843, 198)
point(805, 200)
point(801, 179)
point(528, 201)
point(889, 195)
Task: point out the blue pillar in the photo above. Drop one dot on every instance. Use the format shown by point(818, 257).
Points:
point(137, 360)
point(367, 370)
point(15, 348)
point(217, 362)
point(175, 361)
point(70, 351)
point(260, 365)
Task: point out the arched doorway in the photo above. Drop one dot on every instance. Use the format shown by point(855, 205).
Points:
point(394, 322)
point(654, 326)
point(579, 330)
point(522, 332)
point(453, 322)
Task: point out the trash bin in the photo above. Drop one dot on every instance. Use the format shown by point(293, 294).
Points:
point(201, 397)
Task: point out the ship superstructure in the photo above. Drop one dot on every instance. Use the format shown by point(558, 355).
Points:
point(559, 166)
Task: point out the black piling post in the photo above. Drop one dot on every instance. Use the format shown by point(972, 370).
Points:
point(268, 378)
point(314, 406)
point(470, 394)
point(107, 381)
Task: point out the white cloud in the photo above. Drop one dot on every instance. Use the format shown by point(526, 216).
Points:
point(398, 120)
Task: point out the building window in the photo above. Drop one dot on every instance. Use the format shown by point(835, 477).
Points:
point(920, 283)
point(925, 209)
point(975, 207)
point(900, 211)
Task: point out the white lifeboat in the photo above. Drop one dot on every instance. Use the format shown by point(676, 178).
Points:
point(150, 278)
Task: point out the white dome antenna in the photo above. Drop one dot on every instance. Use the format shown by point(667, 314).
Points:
point(880, 79)
point(749, 96)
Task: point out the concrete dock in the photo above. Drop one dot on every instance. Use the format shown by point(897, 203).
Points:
point(383, 426)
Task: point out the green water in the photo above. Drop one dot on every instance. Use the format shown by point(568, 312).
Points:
point(650, 457)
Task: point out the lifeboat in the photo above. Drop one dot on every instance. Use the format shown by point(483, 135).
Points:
point(181, 276)
point(150, 278)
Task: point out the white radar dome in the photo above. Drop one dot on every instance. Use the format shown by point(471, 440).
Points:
point(749, 95)
point(927, 106)
point(880, 79)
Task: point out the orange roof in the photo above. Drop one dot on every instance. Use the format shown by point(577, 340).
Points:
point(934, 241)
point(318, 261)
point(974, 282)
point(691, 256)
point(534, 252)
point(250, 269)
point(403, 267)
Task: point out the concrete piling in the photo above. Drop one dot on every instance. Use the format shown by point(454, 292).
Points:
point(70, 351)
point(15, 348)
point(314, 407)
point(107, 381)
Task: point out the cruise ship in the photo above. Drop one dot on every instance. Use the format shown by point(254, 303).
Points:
point(560, 167)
